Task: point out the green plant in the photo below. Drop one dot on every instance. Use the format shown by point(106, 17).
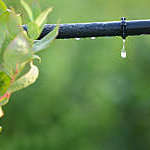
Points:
point(18, 49)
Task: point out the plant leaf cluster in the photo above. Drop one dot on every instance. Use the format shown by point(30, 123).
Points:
point(19, 48)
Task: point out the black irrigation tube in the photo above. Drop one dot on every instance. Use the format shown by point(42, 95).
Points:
point(98, 29)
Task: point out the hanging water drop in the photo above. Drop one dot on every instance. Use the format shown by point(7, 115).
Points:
point(93, 38)
point(123, 51)
point(77, 39)
point(123, 54)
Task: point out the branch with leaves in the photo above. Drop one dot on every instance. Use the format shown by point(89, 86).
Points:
point(18, 50)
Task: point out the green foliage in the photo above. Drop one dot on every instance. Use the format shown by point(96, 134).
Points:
point(44, 42)
point(28, 10)
point(3, 7)
point(35, 26)
point(42, 17)
point(16, 50)
point(33, 30)
point(25, 80)
point(5, 81)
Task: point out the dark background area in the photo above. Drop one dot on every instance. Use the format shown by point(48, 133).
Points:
point(87, 97)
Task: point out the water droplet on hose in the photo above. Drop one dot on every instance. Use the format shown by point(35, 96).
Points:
point(93, 38)
point(123, 54)
point(77, 39)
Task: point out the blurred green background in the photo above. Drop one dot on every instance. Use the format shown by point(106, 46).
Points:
point(86, 97)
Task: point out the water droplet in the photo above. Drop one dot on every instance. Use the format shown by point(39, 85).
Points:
point(77, 39)
point(123, 51)
point(123, 54)
point(93, 38)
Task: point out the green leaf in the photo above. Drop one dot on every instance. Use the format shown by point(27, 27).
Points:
point(33, 30)
point(40, 20)
point(2, 37)
point(5, 82)
point(3, 7)
point(36, 57)
point(17, 52)
point(3, 27)
point(4, 99)
point(45, 42)
point(14, 22)
point(26, 80)
point(28, 10)
point(9, 20)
